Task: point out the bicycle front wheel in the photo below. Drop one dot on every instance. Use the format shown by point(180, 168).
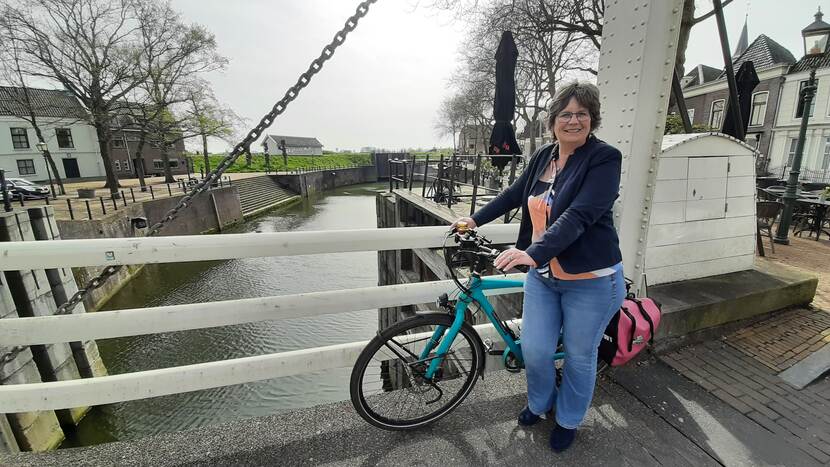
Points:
point(389, 387)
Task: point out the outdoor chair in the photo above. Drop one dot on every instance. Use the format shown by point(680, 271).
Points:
point(764, 195)
point(767, 212)
point(803, 219)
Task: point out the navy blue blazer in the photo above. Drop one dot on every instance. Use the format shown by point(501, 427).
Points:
point(582, 236)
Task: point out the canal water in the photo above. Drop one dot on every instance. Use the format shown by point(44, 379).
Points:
point(168, 284)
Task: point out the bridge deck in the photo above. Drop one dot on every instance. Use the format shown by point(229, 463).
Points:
point(642, 415)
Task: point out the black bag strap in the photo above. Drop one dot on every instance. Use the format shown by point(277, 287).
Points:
point(647, 317)
point(633, 327)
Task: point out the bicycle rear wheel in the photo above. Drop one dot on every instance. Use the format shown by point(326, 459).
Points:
point(388, 384)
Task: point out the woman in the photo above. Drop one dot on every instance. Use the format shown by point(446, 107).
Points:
point(567, 237)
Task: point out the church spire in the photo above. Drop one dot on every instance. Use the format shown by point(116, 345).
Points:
point(743, 41)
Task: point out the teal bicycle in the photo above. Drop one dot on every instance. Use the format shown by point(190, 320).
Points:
point(420, 369)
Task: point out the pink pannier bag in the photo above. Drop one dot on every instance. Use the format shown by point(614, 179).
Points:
point(630, 330)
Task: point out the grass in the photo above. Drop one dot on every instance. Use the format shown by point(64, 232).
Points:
point(294, 162)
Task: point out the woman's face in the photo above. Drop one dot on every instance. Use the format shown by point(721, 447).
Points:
point(573, 124)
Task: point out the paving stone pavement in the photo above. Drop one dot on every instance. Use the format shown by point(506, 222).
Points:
point(801, 417)
point(784, 339)
point(808, 255)
point(682, 425)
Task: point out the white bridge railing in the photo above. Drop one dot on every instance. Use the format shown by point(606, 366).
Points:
point(160, 382)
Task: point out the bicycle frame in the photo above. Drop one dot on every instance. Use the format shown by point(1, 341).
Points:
point(477, 287)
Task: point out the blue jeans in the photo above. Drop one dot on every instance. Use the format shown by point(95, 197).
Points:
point(580, 310)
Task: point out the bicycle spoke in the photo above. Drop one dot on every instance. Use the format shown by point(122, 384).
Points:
point(394, 388)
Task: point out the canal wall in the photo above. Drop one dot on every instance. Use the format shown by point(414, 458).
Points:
point(38, 292)
point(308, 183)
point(206, 213)
point(403, 208)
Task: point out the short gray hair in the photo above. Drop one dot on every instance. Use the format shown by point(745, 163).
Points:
point(586, 94)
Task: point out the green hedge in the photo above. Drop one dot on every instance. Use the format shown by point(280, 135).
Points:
point(294, 162)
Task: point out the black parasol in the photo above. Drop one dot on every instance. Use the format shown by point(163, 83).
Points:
point(745, 81)
point(503, 138)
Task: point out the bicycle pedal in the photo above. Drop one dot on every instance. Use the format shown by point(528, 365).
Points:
point(494, 351)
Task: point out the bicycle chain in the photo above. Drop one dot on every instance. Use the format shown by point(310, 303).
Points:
point(242, 147)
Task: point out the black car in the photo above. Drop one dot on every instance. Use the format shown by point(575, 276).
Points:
point(22, 188)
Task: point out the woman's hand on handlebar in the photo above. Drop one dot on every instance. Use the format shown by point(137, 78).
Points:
point(512, 257)
point(471, 224)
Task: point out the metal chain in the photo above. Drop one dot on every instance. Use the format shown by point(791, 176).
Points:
point(241, 148)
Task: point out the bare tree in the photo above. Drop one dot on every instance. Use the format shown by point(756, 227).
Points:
point(173, 56)
point(581, 17)
point(210, 118)
point(17, 100)
point(95, 49)
point(546, 57)
point(451, 118)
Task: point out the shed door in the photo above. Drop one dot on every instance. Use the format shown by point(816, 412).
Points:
point(706, 191)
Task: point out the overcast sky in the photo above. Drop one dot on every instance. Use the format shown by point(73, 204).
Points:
point(384, 86)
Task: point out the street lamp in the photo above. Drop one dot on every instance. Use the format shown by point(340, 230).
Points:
point(815, 45)
point(44, 149)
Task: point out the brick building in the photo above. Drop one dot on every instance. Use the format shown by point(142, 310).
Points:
point(706, 92)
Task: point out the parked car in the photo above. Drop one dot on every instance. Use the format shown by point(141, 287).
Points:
point(20, 187)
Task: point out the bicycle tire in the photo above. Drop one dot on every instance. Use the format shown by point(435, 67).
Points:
point(368, 402)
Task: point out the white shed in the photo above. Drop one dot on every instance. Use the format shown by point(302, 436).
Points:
point(703, 212)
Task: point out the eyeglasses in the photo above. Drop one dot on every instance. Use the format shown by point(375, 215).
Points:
point(565, 117)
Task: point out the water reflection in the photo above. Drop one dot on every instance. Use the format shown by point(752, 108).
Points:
point(158, 285)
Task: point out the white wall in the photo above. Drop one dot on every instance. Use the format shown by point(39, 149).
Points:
point(787, 126)
point(272, 148)
point(86, 150)
point(703, 212)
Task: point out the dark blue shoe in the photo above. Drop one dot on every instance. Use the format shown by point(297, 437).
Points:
point(527, 418)
point(561, 438)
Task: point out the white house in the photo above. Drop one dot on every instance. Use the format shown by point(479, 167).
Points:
point(815, 164)
point(72, 142)
point(294, 145)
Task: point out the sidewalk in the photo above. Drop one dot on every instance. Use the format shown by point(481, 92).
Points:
point(102, 205)
point(650, 417)
point(746, 369)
